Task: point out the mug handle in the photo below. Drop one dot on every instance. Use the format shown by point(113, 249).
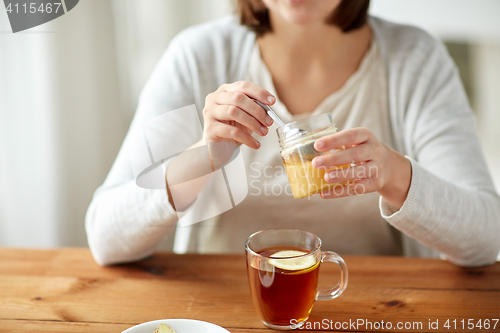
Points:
point(325, 295)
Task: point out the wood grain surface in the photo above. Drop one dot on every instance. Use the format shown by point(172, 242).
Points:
point(64, 290)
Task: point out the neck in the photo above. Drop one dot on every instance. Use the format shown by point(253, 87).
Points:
point(312, 43)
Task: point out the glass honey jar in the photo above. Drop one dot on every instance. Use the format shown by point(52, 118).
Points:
point(296, 140)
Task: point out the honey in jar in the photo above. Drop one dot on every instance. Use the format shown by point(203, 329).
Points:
point(297, 151)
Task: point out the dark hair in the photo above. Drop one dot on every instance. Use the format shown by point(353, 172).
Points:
point(349, 15)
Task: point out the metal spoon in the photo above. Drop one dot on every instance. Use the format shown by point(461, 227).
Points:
point(277, 119)
point(306, 150)
point(270, 112)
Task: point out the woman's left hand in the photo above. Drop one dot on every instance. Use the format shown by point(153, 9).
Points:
point(373, 166)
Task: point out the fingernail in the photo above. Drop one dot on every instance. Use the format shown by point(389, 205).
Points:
point(318, 161)
point(257, 143)
point(263, 130)
point(320, 144)
point(270, 99)
point(332, 175)
point(269, 120)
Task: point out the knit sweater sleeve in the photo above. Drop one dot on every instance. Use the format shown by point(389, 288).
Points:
point(125, 222)
point(452, 206)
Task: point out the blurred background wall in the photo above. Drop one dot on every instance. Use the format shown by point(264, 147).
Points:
point(69, 89)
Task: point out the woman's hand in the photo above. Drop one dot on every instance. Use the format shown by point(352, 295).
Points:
point(231, 115)
point(374, 166)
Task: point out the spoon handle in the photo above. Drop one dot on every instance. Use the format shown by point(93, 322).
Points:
point(270, 112)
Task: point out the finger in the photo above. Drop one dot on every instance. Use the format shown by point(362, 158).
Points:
point(225, 131)
point(357, 154)
point(245, 103)
point(252, 90)
point(346, 138)
point(358, 187)
point(364, 171)
point(231, 112)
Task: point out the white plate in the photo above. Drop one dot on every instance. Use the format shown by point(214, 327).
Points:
point(179, 325)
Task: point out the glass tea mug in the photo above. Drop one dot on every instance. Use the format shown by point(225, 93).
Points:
point(283, 268)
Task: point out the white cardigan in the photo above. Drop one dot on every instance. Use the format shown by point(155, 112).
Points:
point(452, 208)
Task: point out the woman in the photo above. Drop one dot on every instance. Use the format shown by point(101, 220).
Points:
point(394, 94)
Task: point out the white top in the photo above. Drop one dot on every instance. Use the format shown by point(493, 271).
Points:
point(452, 208)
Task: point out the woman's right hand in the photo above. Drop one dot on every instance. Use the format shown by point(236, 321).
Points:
point(231, 115)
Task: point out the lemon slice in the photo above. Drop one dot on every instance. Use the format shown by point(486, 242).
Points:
point(292, 264)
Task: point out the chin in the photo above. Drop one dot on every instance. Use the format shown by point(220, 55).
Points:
point(302, 12)
point(301, 19)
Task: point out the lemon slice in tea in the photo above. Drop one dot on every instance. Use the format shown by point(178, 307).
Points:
point(292, 264)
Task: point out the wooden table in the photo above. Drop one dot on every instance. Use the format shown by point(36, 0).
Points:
point(64, 290)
